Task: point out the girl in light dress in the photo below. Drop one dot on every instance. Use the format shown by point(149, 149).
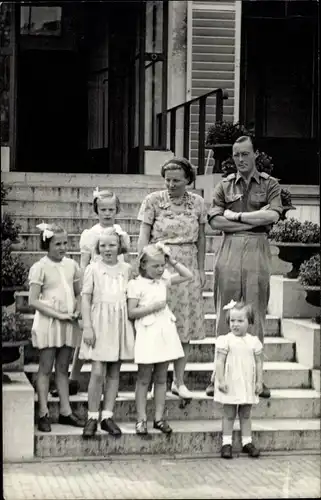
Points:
point(108, 336)
point(54, 293)
point(157, 341)
point(239, 373)
point(106, 205)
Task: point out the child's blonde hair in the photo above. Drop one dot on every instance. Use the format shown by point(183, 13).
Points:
point(123, 244)
point(248, 308)
point(149, 251)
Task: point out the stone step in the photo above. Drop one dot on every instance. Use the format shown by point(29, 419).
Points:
point(277, 375)
point(284, 403)
point(82, 194)
point(77, 225)
point(202, 351)
point(272, 322)
point(188, 437)
point(32, 242)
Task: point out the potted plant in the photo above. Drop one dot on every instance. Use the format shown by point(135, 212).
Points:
point(297, 241)
point(264, 163)
point(15, 335)
point(310, 278)
point(220, 138)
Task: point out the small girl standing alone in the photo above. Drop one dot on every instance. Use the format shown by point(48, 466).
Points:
point(157, 341)
point(239, 373)
point(106, 205)
point(108, 336)
point(54, 293)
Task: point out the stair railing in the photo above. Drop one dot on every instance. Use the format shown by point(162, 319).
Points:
point(164, 131)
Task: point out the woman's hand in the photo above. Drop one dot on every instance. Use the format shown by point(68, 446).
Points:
point(202, 278)
point(76, 315)
point(230, 215)
point(89, 336)
point(66, 317)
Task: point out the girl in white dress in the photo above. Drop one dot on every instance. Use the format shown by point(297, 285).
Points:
point(157, 341)
point(239, 373)
point(54, 292)
point(106, 205)
point(108, 337)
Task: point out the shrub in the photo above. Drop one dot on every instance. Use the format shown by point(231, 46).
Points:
point(310, 274)
point(225, 132)
point(9, 229)
point(13, 271)
point(4, 192)
point(292, 230)
point(14, 327)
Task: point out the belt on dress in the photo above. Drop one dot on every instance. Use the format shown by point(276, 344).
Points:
point(178, 244)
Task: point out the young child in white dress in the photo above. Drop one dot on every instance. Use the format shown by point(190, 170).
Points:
point(157, 341)
point(108, 336)
point(106, 205)
point(239, 373)
point(54, 293)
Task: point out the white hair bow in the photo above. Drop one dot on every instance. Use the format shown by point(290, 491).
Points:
point(163, 248)
point(119, 230)
point(96, 193)
point(46, 233)
point(230, 305)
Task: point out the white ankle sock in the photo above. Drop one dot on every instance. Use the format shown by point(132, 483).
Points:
point(93, 414)
point(246, 440)
point(106, 414)
point(226, 440)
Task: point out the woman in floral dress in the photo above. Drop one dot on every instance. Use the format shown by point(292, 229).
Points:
point(176, 217)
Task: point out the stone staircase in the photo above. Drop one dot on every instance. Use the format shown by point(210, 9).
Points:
point(288, 421)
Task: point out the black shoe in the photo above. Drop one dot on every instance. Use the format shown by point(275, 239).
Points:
point(110, 426)
point(141, 427)
point(251, 450)
point(44, 424)
point(90, 428)
point(210, 390)
point(163, 426)
point(266, 393)
point(226, 451)
point(74, 387)
point(71, 419)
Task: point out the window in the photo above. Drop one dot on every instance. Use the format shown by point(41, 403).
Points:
point(40, 21)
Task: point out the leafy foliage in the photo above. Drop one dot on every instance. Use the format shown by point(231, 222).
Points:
point(225, 132)
point(292, 230)
point(310, 274)
point(13, 271)
point(9, 230)
point(4, 192)
point(14, 327)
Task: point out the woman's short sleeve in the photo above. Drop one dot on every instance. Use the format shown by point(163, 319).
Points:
point(88, 283)
point(221, 344)
point(257, 345)
point(85, 242)
point(36, 274)
point(133, 289)
point(147, 210)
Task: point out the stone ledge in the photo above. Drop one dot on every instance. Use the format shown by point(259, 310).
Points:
point(316, 379)
point(287, 299)
point(18, 418)
point(306, 334)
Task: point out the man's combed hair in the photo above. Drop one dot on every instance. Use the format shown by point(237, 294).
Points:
point(244, 138)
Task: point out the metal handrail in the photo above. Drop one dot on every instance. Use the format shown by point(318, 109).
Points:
point(220, 96)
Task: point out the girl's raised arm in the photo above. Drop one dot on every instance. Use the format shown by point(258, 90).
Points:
point(183, 274)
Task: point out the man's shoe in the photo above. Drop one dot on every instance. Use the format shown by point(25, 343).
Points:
point(44, 424)
point(71, 419)
point(251, 450)
point(108, 425)
point(210, 390)
point(90, 428)
point(266, 393)
point(226, 451)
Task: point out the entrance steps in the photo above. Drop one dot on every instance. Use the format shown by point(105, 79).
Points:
point(288, 421)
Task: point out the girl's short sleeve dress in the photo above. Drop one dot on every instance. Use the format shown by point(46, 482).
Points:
point(157, 339)
point(178, 227)
point(240, 368)
point(114, 333)
point(56, 280)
